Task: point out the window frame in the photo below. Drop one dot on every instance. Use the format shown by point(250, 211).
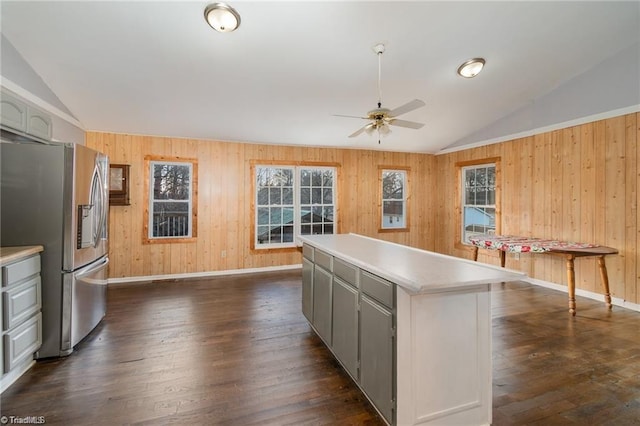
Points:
point(296, 167)
point(405, 197)
point(460, 194)
point(149, 162)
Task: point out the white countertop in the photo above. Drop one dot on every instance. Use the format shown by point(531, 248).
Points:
point(415, 270)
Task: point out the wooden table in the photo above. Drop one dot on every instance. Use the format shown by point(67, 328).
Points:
point(569, 250)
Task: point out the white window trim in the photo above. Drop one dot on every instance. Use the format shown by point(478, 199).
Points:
point(296, 203)
point(152, 163)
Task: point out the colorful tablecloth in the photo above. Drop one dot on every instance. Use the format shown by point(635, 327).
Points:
point(513, 244)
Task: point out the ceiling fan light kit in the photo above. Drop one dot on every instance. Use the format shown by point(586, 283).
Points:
point(381, 118)
point(222, 17)
point(471, 68)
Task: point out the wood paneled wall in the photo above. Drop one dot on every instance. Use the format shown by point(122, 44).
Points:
point(224, 202)
point(579, 184)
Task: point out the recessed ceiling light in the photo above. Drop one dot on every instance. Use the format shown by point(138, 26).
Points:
point(471, 68)
point(222, 17)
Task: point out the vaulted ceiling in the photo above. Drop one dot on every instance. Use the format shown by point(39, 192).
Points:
point(157, 68)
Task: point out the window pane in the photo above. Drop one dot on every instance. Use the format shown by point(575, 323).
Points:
point(263, 234)
point(263, 215)
point(316, 178)
point(274, 196)
point(287, 215)
point(392, 185)
point(305, 216)
point(317, 214)
point(481, 197)
point(287, 234)
point(275, 236)
point(170, 219)
point(305, 196)
point(276, 215)
point(393, 214)
point(328, 229)
point(327, 196)
point(263, 196)
point(481, 177)
point(287, 196)
point(327, 178)
point(328, 214)
point(171, 181)
point(305, 178)
point(491, 196)
point(305, 230)
point(316, 195)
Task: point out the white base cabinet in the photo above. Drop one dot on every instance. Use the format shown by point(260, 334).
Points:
point(20, 308)
point(412, 328)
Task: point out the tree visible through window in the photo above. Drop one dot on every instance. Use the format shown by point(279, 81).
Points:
point(293, 200)
point(478, 200)
point(171, 200)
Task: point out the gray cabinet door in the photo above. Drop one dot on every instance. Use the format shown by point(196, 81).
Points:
point(307, 289)
point(345, 325)
point(322, 303)
point(376, 355)
point(13, 113)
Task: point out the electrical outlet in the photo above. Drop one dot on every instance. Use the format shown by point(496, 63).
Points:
point(223, 254)
point(516, 256)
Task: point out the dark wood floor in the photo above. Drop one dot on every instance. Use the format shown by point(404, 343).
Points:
point(237, 351)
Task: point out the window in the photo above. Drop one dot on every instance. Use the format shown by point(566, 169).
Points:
point(394, 199)
point(293, 200)
point(171, 200)
point(478, 200)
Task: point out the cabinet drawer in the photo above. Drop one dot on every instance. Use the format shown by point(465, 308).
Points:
point(346, 271)
point(20, 270)
point(307, 251)
point(323, 259)
point(21, 302)
point(21, 342)
point(378, 288)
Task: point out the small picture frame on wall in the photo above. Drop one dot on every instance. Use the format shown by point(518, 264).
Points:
point(119, 184)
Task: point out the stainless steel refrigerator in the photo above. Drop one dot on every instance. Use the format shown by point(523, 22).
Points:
point(56, 195)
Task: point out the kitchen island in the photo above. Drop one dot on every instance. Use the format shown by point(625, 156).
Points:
point(412, 328)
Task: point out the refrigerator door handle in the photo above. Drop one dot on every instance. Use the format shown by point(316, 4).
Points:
point(101, 211)
point(87, 270)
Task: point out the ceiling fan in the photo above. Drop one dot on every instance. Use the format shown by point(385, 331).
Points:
point(381, 118)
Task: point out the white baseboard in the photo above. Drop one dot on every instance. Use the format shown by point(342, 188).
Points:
point(207, 274)
point(584, 293)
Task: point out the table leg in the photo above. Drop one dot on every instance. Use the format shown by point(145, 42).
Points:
point(503, 258)
point(605, 281)
point(571, 284)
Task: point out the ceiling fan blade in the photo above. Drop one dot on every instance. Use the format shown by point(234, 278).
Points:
point(403, 109)
point(357, 132)
point(405, 123)
point(350, 116)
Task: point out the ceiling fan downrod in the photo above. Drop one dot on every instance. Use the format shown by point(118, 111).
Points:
point(379, 49)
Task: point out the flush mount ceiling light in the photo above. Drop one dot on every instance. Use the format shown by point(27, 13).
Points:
point(222, 17)
point(471, 68)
